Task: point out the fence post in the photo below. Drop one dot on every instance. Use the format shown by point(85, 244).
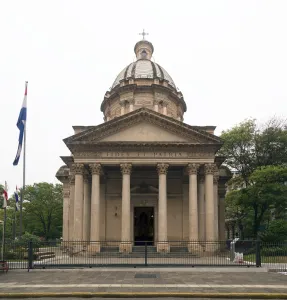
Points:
point(30, 255)
point(258, 254)
point(145, 253)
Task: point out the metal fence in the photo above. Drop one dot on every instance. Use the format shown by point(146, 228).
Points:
point(71, 254)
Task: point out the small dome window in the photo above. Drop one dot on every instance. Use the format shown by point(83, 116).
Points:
point(143, 54)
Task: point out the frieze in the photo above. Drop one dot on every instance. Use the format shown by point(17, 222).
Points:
point(143, 154)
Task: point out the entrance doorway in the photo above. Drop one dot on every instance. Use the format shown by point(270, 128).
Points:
point(143, 225)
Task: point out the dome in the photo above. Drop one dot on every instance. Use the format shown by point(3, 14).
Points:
point(143, 83)
point(144, 68)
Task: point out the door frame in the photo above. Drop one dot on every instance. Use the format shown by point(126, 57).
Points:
point(141, 200)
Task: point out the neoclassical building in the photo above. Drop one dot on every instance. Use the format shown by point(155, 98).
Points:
point(143, 174)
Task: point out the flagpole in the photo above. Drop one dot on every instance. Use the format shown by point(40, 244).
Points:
point(24, 174)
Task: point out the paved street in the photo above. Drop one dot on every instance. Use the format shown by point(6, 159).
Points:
point(143, 280)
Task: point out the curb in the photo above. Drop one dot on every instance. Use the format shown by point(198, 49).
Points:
point(146, 295)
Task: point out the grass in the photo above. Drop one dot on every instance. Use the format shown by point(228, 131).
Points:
point(266, 259)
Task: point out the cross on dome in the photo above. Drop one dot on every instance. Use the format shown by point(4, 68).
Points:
point(143, 34)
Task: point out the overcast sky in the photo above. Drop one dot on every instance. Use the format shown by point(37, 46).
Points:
point(229, 59)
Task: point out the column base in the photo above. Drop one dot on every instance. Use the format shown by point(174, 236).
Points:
point(212, 247)
point(194, 247)
point(94, 248)
point(126, 247)
point(163, 247)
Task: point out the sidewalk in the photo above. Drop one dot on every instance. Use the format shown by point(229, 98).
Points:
point(169, 280)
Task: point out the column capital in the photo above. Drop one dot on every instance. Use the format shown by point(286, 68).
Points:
point(66, 193)
point(215, 178)
point(78, 169)
point(96, 168)
point(209, 168)
point(162, 168)
point(126, 168)
point(72, 179)
point(192, 168)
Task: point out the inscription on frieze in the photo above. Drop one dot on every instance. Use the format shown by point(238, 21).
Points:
point(143, 154)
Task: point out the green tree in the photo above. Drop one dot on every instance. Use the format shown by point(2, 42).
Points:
point(267, 190)
point(42, 215)
point(248, 146)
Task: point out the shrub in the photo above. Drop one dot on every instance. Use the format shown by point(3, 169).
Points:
point(276, 232)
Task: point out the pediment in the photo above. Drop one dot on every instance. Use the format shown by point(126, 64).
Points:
point(143, 125)
point(145, 132)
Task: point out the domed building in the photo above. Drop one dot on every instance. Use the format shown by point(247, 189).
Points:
point(143, 175)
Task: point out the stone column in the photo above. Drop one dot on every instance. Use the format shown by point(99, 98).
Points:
point(209, 204)
point(123, 105)
point(66, 199)
point(155, 105)
point(163, 245)
point(126, 245)
point(221, 216)
point(79, 201)
point(192, 170)
point(215, 199)
point(131, 105)
point(87, 207)
point(95, 208)
point(201, 209)
point(71, 206)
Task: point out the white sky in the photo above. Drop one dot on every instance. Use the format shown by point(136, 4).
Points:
point(229, 58)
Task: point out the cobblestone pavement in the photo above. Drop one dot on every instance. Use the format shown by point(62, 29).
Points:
point(94, 280)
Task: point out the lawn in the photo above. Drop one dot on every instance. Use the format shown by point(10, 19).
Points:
point(266, 259)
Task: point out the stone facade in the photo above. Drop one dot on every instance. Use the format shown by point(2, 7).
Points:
point(143, 175)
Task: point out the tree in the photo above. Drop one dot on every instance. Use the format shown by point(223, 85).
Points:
point(248, 146)
point(43, 213)
point(267, 190)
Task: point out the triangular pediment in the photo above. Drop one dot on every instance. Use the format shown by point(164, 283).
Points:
point(143, 125)
point(145, 132)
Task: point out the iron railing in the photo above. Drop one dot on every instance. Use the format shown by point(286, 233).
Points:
point(71, 254)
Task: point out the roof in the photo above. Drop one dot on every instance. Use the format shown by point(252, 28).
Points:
point(143, 68)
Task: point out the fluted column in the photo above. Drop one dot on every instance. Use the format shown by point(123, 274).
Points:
point(79, 200)
point(95, 207)
point(192, 170)
point(162, 246)
point(209, 202)
point(215, 199)
point(126, 245)
point(66, 199)
point(87, 207)
point(201, 209)
point(71, 206)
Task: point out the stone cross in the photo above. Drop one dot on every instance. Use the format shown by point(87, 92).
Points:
point(143, 34)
